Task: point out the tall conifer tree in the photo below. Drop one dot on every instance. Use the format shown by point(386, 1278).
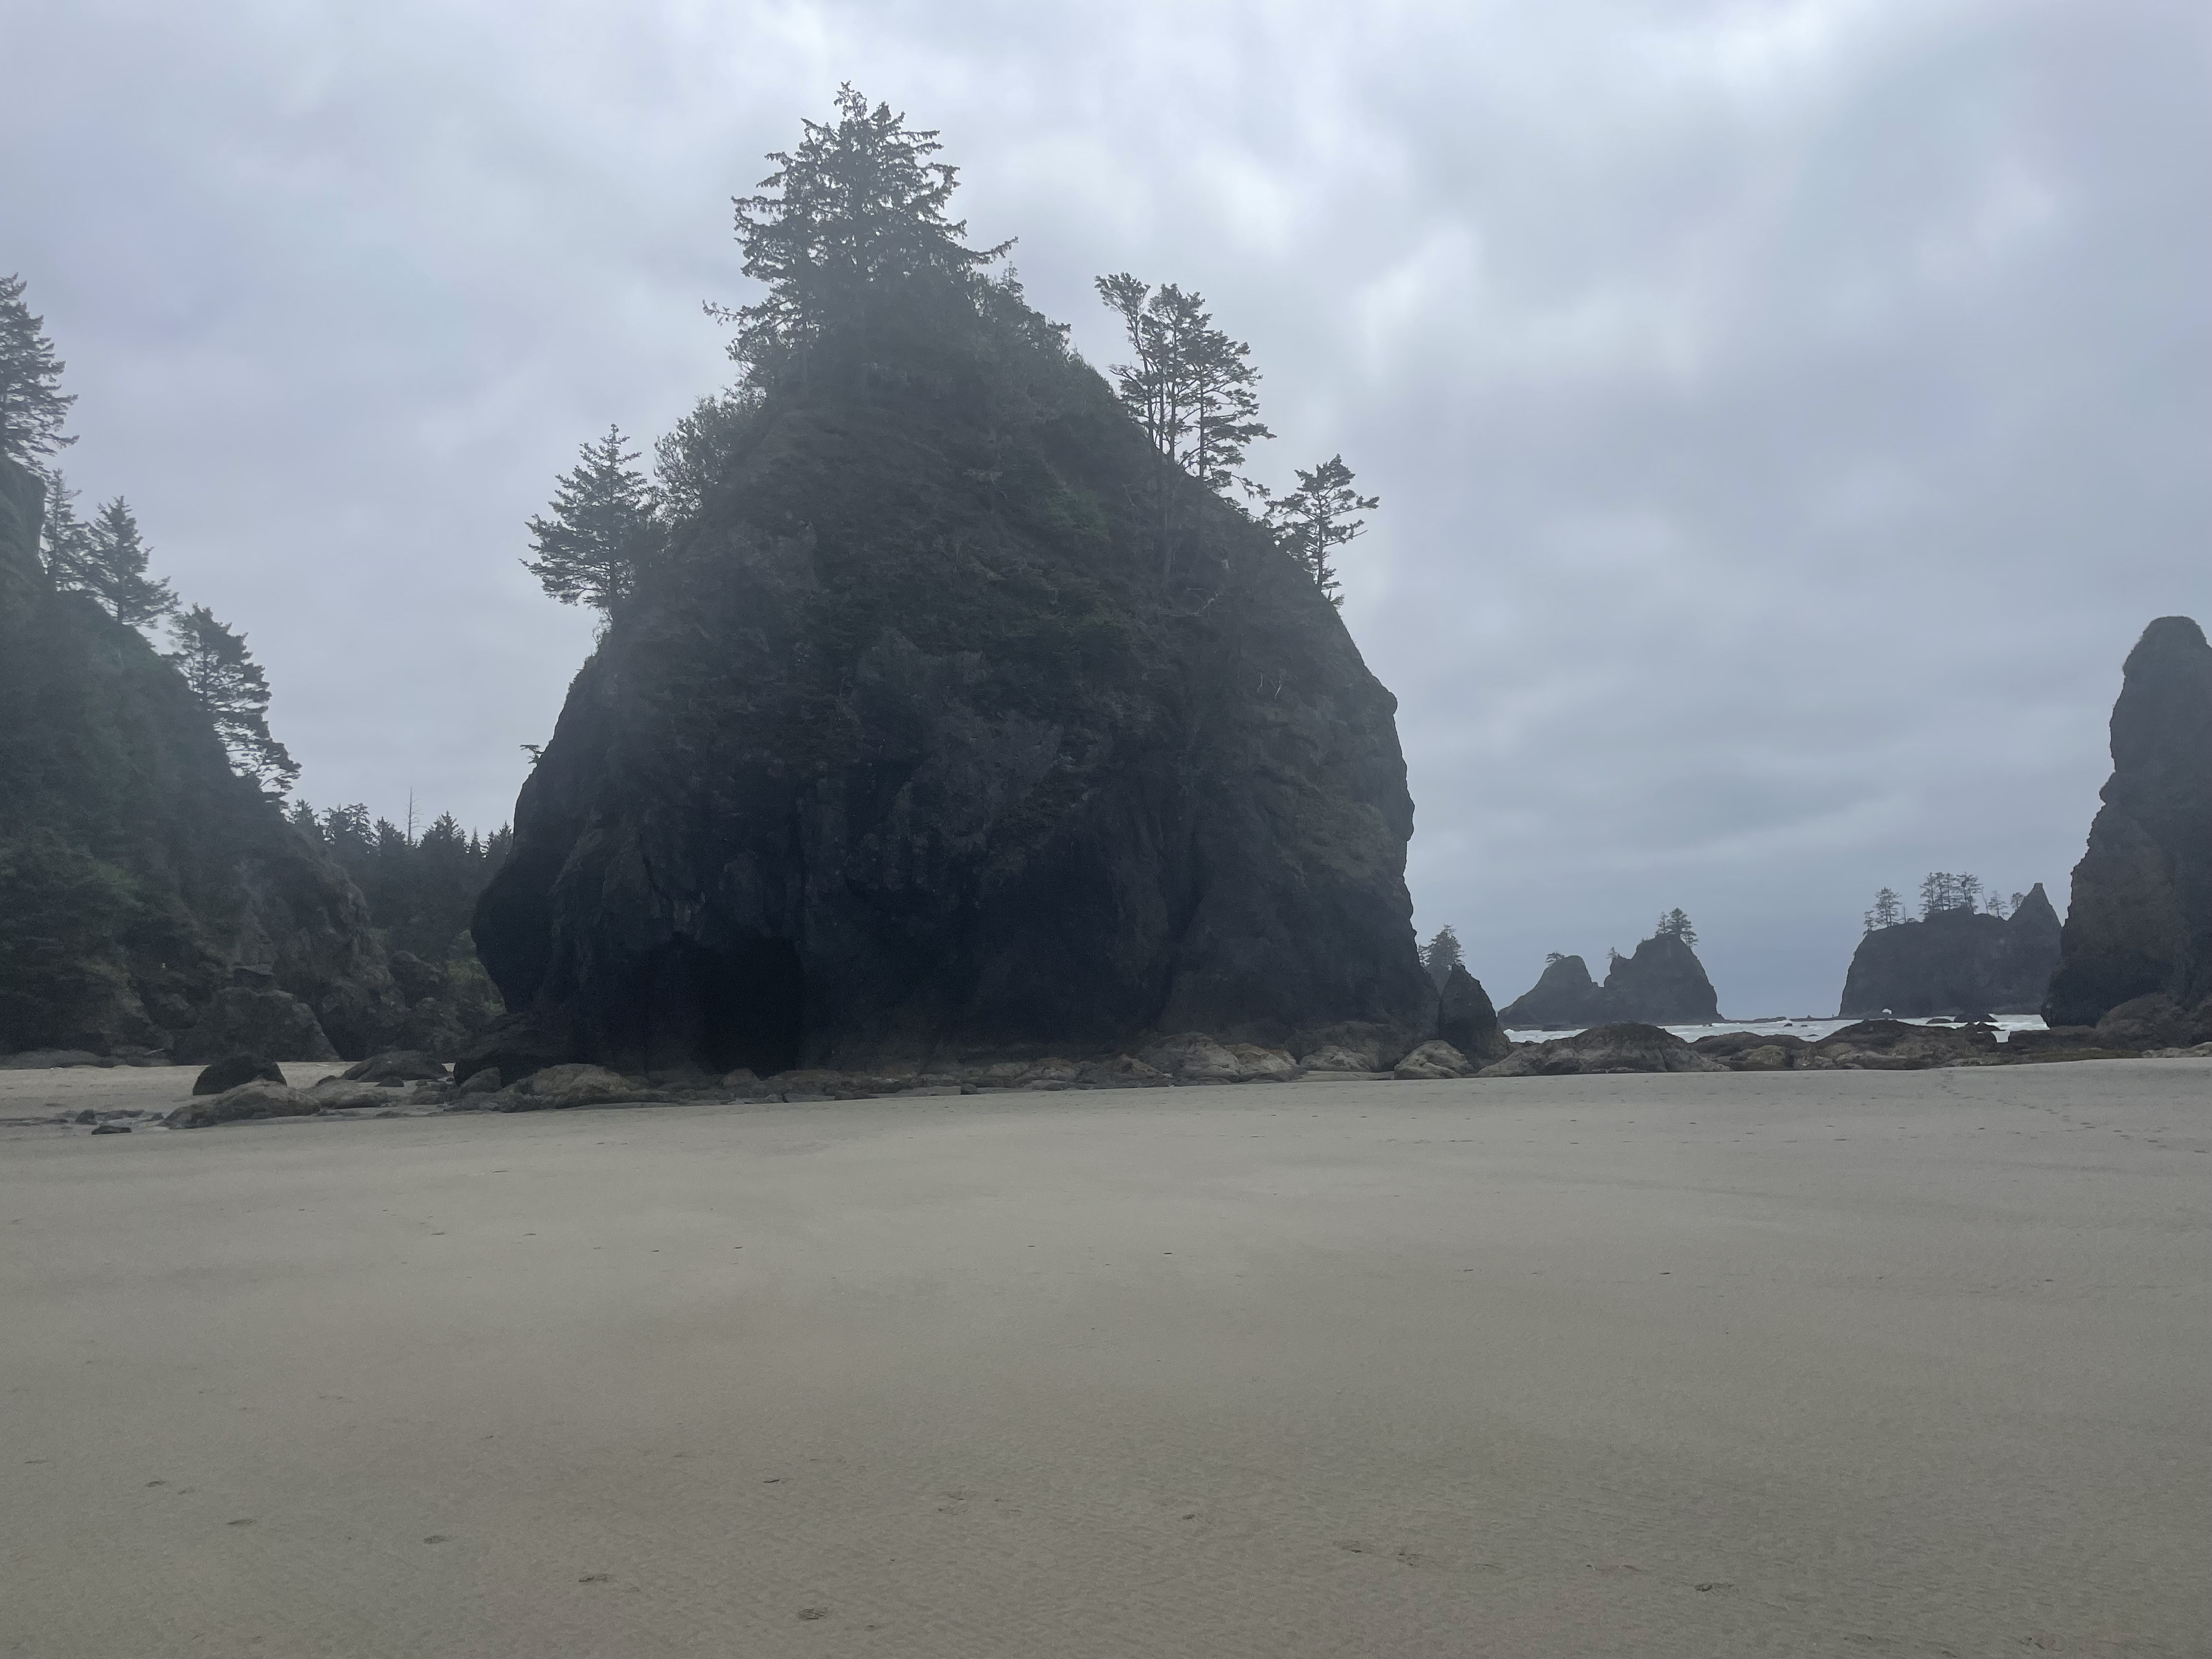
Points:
point(1315, 520)
point(231, 687)
point(114, 569)
point(31, 403)
point(602, 528)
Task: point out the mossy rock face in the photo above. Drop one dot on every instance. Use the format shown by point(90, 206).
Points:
point(924, 742)
point(145, 887)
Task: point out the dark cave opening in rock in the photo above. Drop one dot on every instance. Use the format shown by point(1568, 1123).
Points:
point(719, 1009)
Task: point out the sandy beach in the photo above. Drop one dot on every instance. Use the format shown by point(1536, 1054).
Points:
point(1849, 1363)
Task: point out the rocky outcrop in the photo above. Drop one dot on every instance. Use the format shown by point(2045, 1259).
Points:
point(152, 901)
point(1663, 983)
point(1956, 962)
point(1466, 1020)
point(926, 741)
point(2140, 919)
point(1564, 994)
point(1629, 1046)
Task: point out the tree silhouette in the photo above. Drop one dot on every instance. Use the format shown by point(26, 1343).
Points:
point(230, 686)
point(112, 568)
point(1442, 954)
point(1676, 924)
point(33, 405)
point(602, 528)
point(1315, 520)
point(858, 203)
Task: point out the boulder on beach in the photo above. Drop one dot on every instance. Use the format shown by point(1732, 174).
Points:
point(232, 1070)
point(397, 1066)
point(1432, 1062)
point(2140, 919)
point(573, 1084)
point(248, 1100)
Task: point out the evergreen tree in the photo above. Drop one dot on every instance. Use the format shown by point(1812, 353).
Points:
point(1442, 954)
point(1676, 924)
point(230, 686)
point(1888, 910)
point(686, 459)
point(420, 891)
point(65, 544)
point(1315, 519)
point(602, 528)
point(1190, 387)
point(114, 569)
point(31, 403)
point(1940, 889)
point(859, 203)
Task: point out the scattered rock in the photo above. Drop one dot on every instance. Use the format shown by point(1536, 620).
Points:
point(1891, 1045)
point(554, 1086)
point(485, 1082)
point(234, 1069)
point(1193, 1057)
point(248, 1100)
point(87, 1116)
point(1629, 1046)
point(341, 1094)
point(111, 1128)
point(1431, 1061)
point(397, 1066)
point(1257, 1064)
point(1336, 1058)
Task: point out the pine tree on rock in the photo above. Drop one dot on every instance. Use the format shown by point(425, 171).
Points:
point(1315, 520)
point(1190, 387)
point(1675, 924)
point(857, 205)
point(64, 540)
point(602, 528)
point(231, 687)
point(114, 572)
point(31, 403)
point(1442, 954)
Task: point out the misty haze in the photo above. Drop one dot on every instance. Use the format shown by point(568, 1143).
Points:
point(828, 829)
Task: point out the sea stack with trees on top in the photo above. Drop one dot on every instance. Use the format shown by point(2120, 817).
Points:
point(950, 707)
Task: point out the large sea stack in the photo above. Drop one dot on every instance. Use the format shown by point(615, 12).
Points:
point(153, 902)
point(953, 723)
point(1956, 962)
point(2140, 920)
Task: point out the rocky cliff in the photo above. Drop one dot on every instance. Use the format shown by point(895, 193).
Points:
point(924, 740)
point(1662, 983)
point(1956, 962)
point(151, 901)
point(2141, 920)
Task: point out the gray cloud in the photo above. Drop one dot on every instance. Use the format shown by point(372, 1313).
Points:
point(1786, 413)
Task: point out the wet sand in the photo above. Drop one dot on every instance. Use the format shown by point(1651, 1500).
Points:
point(1837, 1362)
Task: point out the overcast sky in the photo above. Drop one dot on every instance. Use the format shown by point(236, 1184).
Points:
point(1786, 415)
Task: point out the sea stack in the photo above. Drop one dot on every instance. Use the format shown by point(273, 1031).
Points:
point(1956, 962)
point(2141, 920)
point(1662, 983)
point(926, 739)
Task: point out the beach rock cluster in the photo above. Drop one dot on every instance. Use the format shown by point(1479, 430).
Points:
point(2140, 923)
point(1956, 962)
point(1662, 983)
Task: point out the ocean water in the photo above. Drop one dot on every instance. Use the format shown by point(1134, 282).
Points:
point(1811, 1030)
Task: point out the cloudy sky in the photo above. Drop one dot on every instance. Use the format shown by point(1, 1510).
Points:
point(1786, 415)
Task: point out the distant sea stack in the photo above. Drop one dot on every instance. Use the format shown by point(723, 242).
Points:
point(153, 903)
point(1663, 983)
point(2141, 920)
point(924, 740)
point(1956, 962)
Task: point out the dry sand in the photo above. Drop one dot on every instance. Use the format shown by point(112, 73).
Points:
point(1837, 1362)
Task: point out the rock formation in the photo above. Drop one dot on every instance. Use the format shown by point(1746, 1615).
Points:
point(936, 733)
point(152, 903)
point(2140, 920)
point(1956, 962)
point(1663, 983)
point(1466, 1020)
